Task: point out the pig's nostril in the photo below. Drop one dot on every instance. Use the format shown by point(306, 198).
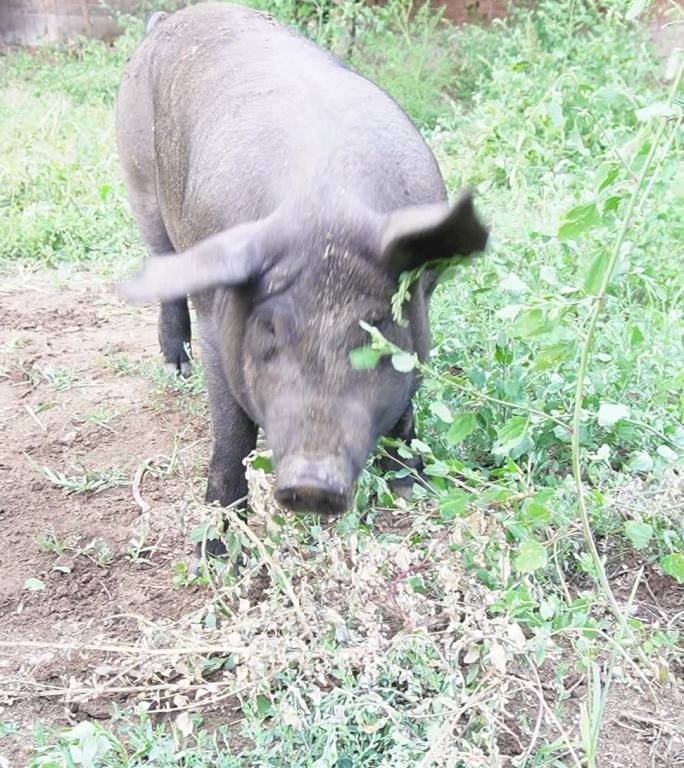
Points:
point(310, 498)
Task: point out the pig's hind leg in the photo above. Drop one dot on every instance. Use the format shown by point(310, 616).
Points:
point(174, 329)
point(135, 118)
point(174, 336)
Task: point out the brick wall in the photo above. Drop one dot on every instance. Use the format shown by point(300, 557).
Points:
point(29, 22)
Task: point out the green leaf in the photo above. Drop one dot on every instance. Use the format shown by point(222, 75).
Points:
point(404, 361)
point(638, 533)
point(509, 312)
point(436, 469)
point(531, 557)
point(510, 435)
point(363, 358)
point(636, 337)
point(531, 323)
point(665, 452)
point(34, 585)
point(547, 609)
point(453, 505)
point(202, 530)
point(552, 354)
point(536, 512)
point(636, 7)
point(641, 461)
point(264, 706)
point(673, 565)
point(593, 278)
point(610, 413)
point(511, 282)
point(578, 220)
point(421, 447)
point(555, 111)
point(263, 462)
point(404, 452)
point(441, 411)
point(462, 426)
point(656, 109)
point(607, 176)
point(611, 203)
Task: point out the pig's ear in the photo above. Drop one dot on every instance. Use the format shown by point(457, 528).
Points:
point(419, 234)
point(232, 257)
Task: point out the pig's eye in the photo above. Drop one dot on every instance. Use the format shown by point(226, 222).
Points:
point(383, 324)
point(264, 336)
point(271, 328)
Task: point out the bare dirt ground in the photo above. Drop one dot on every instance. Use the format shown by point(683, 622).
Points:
point(63, 406)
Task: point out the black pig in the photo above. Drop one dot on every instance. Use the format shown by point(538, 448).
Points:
point(286, 194)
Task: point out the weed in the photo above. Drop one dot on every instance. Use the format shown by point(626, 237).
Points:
point(139, 549)
point(49, 541)
point(57, 379)
point(191, 391)
point(88, 481)
point(99, 552)
point(101, 419)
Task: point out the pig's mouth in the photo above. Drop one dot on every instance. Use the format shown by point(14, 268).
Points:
point(321, 486)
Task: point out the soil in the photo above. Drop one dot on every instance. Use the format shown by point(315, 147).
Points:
point(86, 595)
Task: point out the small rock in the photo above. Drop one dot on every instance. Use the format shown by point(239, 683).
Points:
point(69, 438)
point(96, 709)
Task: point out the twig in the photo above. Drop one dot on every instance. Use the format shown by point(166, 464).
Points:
point(200, 703)
point(391, 348)
point(91, 692)
point(653, 431)
point(275, 568)
point(581, 376)
point(507, 403)
point(670, 726)
point(436, 749)
point(538, 691)
point(618, 648)
point(218, 597)
point(128, 649)
point(135, 487)
point(34, 416)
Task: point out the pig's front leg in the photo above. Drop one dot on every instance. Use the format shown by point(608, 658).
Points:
point(235, 437)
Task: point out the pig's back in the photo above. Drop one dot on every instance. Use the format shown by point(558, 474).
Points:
point(248, 113)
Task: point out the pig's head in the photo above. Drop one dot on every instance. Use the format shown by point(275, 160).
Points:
point(298, 303)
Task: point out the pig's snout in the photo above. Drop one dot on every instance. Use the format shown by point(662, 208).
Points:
point(322, 486)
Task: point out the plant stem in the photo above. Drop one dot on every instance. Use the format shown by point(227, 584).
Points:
point(584, 363)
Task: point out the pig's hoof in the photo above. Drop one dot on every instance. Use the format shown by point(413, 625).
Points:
point(183, 368)
point(212, 548)
point(175, 349)
point(176, 359)
point(403, 487)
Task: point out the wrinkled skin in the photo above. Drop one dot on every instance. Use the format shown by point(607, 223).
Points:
point(285, 194)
